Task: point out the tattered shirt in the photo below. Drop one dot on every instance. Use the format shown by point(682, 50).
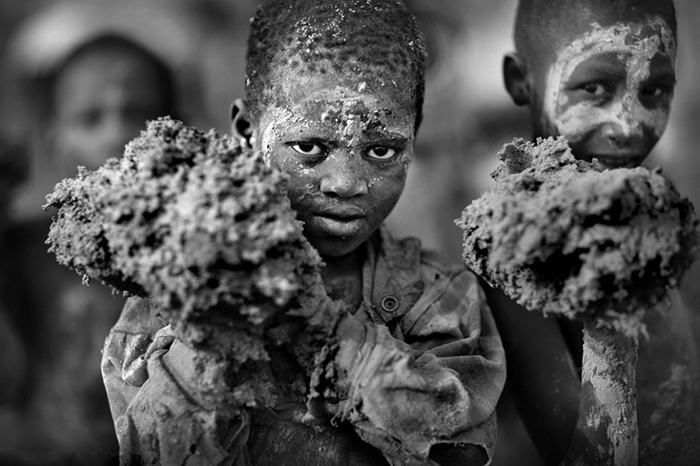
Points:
point(427, 371)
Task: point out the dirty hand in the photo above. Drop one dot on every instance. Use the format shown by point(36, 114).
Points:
point(363, 352)
point(137, 351)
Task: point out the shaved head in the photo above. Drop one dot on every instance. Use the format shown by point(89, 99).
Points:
point(377, 41)
point(542, 26)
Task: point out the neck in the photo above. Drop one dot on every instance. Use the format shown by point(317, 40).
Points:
point(342, 277)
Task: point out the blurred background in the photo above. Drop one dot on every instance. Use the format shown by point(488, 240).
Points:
point(52, 405)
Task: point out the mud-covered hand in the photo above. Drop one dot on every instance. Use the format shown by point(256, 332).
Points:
point(382, 390)
point(137, 350)
point(170, 420)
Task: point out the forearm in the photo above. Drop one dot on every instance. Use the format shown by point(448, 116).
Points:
point(541, 375)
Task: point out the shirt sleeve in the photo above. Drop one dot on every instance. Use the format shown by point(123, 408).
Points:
point(123, 363)
point(157, 419)
point(431, 383)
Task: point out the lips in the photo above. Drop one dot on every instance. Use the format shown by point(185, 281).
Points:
point(340, 212)
point(340, 221)
point(619, 160)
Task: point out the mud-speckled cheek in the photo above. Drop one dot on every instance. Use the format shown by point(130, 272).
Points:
point(386, 188)
point(652, 120)
point(302, 185)
point(575, 121)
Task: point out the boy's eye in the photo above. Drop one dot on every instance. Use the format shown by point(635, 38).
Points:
point(307, 148)
point(655, 90)
point(595, 89)
point(381, 152)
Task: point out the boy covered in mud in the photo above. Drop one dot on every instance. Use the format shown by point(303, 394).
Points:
point(602, 74)
point(334, 92)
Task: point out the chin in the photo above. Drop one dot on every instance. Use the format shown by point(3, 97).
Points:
point(339, 247)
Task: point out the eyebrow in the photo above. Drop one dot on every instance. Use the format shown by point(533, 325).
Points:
point(606, 65)
point(661, 70)
point(368, 140)
point(315, 131)
point(388, 138)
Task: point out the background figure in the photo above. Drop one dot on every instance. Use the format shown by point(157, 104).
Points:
point(89, 75)
point(92, 83)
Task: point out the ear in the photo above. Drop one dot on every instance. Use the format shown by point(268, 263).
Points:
point(241, 127)
point(516, 78)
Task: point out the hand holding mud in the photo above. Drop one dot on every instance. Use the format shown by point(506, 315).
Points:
point(203, 228)
point(566, 237)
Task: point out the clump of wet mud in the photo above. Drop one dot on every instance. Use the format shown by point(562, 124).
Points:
point(199, 225)
point(567, 237)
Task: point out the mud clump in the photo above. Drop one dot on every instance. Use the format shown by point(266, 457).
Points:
point(199, 225)
point(567, 237)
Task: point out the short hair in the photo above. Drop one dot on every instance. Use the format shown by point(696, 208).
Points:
point(348, 36)
point(538, 23)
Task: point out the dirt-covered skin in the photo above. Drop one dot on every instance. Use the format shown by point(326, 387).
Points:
point(567, 237)
point(198, 224)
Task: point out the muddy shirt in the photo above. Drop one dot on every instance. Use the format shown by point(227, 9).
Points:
point(421, 361)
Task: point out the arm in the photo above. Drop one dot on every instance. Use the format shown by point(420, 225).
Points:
point(541, 375)
point(431, 385)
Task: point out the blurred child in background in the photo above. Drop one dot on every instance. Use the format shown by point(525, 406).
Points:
point(94, 81)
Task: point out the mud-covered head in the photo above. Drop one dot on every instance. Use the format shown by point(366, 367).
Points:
point(600, 72)
point(334, 94)
point(377, 42)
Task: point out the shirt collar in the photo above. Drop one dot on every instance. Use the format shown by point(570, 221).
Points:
point(391, 276)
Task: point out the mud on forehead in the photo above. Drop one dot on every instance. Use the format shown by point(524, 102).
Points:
point(371, 40)
point(543, 26)
point(288, 82)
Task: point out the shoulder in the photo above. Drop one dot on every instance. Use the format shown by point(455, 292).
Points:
point(449, 287)
point(450, 294)
point(410, 250)
point(433, 267)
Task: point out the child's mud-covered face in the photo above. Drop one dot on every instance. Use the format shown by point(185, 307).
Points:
point(102, 102)
point(610, 90)
point(346, 148)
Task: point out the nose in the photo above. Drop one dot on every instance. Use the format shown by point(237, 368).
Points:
point(343, 175)
point(623, 135)
point(624, 129)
